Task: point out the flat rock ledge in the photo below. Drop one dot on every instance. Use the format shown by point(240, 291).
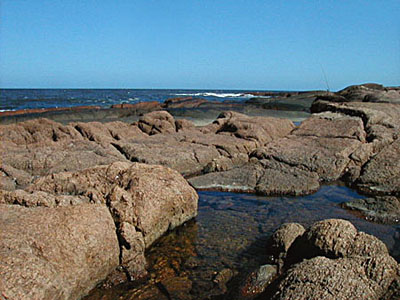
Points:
point(66, 232)
point(330, 260)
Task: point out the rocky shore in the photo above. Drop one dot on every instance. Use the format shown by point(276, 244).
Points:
point(82, 201)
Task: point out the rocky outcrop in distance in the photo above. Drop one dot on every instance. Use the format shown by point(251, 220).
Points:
point(353, 141)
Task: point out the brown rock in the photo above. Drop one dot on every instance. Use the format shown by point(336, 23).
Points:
point(151, 198)
point(23, 198)
point(258, 129)
point(132, 251)
point(55, 253)
point(240, 179)
point(183, 124)
point(381, 175)
point(284, 236)
point(157, 122)
point(167, 150)
point(324, 278)
point(342, 264)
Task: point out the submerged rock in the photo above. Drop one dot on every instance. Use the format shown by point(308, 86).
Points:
point(381, 209)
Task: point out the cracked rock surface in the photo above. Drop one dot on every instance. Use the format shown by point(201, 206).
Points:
point(74, 228)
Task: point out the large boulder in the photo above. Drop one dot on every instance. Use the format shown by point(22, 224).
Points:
point(151, 198)
point(333, 260)
point(344, 278)
point(55, 253)
point(157, 122)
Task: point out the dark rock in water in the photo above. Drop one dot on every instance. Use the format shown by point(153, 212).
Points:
point(371, 93)
point(55, 253)
point(184, 102)
point(44, 110)
point(222, 278)
point(139, 107)
point(332, 260)
point(296, 101)
point(380, 209)
point(257, 281)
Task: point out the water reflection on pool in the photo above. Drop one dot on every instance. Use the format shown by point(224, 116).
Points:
point(231, 231)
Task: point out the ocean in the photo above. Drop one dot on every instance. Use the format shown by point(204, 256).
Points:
point(16, 99)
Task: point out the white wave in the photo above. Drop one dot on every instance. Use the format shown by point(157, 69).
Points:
point(219, 95)
point(2, 110)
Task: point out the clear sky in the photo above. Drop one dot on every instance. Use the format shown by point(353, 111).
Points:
point(226, 44)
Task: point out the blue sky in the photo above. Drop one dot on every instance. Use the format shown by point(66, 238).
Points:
point(272, 45)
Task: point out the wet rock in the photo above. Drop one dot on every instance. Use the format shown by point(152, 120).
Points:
point(257, 281)
point(381, 209)
point(44, 110)
point(157, 122)
point(222, 278)
point(55, 253)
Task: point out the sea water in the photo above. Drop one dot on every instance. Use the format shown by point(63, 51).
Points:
point(15, 99)
point(231, 232)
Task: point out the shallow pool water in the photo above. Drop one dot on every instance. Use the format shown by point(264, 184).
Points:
point(230, 232)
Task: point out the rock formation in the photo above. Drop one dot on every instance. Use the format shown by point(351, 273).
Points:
point(332, 260)
point(67, 231)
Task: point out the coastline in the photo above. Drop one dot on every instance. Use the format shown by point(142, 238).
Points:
point(89, 157)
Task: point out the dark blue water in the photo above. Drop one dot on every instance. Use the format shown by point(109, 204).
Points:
point(14, 99)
